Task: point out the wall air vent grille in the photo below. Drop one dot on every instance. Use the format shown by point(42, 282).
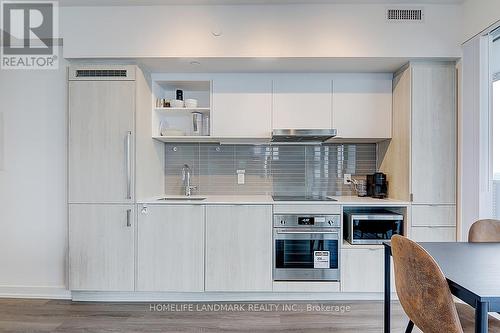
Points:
point(101, 73)
point(408, 15)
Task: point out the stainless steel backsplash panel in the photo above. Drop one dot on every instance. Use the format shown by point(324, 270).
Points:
point(269, 169)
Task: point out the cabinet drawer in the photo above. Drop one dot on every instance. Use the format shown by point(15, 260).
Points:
point(433, 234)
point(438, 216)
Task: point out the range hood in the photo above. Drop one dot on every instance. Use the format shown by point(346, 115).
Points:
point(302, 135)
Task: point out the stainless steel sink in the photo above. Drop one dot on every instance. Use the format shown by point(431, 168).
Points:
point(184, 198)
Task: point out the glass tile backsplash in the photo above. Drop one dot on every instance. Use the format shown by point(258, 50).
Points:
point(269, 169)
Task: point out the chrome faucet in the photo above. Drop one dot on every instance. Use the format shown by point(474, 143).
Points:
point(186, 180)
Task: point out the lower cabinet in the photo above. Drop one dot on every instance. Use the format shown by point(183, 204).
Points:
point(433, 223)
point(101, 247)
point(170, 248)
point(362, 270)
point(238, 248)
point(433, 234)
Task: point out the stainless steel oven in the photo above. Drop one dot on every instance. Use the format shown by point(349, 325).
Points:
point(372, 227)
point(306, 247)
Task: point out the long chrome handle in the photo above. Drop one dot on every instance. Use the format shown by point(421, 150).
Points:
point(308, 232)
point(129, 217)
point(129, 166)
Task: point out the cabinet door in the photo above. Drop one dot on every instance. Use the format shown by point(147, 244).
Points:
point(170, 248)
point(242, 107)
point(362, 105)
point(101, 247)
point(238, 250)
point(434, 142)
point(433, 215)
point(301, 101)
point(363, 270)
point(101, 121)
point(433, 234)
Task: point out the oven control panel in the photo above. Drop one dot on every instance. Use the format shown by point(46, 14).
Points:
point(305, 220)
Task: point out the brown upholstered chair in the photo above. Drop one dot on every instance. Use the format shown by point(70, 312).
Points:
point(424, 293)
point(485, 231)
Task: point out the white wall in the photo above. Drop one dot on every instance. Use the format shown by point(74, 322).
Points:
point(478, 15)
point(33, 214)
point(260, 30)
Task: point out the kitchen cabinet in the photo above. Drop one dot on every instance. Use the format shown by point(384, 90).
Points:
point(420, 159)
point(101, 143)
point(433, 234)
point(434, 134)
point(362, 269)
point(434, 215)
point(238, 248)
point(242, 106)
point(362, 106)
point(302, 101)
point(101, 247)
point(170, 248)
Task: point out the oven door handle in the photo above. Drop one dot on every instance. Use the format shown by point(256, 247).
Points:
point(308, 232)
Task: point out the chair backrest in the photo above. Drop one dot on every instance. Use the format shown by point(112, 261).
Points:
point(422, 288)
point(485, 231)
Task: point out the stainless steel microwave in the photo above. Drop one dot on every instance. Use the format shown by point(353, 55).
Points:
point(372, 228)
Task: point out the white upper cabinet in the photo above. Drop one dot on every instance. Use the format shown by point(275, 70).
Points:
point(362, 105)
point(302, 101)
point(242, 106)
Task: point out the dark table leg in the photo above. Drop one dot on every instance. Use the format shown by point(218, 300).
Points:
point(481, 317)
point(387, 289)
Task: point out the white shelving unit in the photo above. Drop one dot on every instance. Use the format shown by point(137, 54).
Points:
point(180, 118)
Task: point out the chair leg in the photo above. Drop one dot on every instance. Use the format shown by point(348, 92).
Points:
point(409, 328)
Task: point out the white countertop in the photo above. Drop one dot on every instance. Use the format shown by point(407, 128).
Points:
point(267, 199)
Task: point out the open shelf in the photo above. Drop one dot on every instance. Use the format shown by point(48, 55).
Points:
point(180, 111)
point(187, 138)
point(181, 118)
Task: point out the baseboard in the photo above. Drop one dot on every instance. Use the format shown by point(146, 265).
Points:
point(34, 292)
point(90, 296)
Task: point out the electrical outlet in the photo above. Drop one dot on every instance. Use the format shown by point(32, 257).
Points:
point(241, 177)
point(347, 178)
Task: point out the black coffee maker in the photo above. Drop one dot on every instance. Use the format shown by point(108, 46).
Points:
point(376, 185)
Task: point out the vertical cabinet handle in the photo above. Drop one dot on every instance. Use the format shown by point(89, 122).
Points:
point(129, 216)
point(128, 166)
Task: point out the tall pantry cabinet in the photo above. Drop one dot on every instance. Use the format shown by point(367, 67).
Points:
point(103, 102)
point(421, 157)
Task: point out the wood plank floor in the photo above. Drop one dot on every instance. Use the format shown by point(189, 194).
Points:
point(22, 315)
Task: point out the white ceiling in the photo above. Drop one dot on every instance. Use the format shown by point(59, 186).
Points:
point(241, 2)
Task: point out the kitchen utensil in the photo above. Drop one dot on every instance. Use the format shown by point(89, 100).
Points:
point(206, 124)
point(197, 123)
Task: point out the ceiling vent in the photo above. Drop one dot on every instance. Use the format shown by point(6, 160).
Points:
point(405, 15)
point(101, 73)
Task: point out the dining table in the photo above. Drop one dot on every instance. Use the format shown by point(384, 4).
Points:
point(472, 271)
